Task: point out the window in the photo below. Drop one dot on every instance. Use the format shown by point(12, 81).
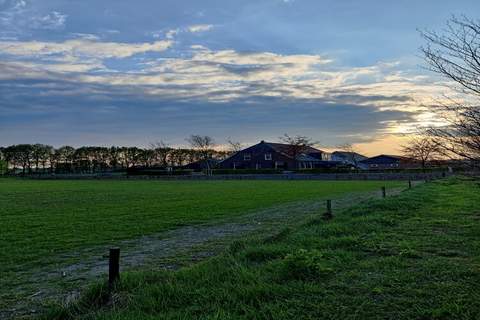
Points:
point(268, 156)
point(247, 157)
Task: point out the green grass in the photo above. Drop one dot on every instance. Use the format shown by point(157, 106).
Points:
point(412, 256)
point(41, 219)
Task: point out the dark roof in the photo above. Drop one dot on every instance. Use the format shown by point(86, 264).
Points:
point(349, 155)
point(285, 148)
point(201, 164)
point(384, 158)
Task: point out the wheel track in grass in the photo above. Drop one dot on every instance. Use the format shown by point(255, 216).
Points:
point(62, 282)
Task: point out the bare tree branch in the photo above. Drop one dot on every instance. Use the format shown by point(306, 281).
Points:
point(455, 54)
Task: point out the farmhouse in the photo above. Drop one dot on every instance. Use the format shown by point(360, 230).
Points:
point(385, 161)
point(268, 155)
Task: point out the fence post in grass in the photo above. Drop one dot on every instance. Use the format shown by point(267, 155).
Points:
point(384, 192)
point(113, 266)
point(409, 184)
point(328, 214)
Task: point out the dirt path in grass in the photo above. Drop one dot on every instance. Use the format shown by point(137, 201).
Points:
point(64, 281)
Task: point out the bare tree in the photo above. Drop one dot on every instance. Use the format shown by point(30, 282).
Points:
point(422, 149)
point(204, 146)
point(455, 54)
point(234, 146)
point(297, 145)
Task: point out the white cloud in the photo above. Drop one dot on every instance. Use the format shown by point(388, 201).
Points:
point(81, 47)
point(87, 36)
point(256, 58)
point(198, 47)
point(170, 34)
point(199, 28)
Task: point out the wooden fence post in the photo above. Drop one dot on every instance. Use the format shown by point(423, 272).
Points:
point(328, 214)
point(113, 266)
point(384, 192)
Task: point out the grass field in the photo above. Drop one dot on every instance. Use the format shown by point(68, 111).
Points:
point(412, 256)
point(41, 220)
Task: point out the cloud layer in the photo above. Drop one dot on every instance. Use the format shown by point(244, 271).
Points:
point(354, 104)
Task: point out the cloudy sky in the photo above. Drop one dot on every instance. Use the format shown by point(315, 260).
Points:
point(90, 72)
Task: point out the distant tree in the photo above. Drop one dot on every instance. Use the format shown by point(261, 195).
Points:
point(82, 159)
point(422, 149)
point(131, 156)
point(204, 146)
point(455, 55)
point(23, 155)
point(66, 156)
point(192, 155)
point(179, 156)
point(147, 157)
point(37, 154)
point(54, 159)
point(40, 155)
point(11, 157)
point(161, 152)
point(3, 161)
point(102, 157)
point(45, 156)
point(297, 145)
point(114, 155)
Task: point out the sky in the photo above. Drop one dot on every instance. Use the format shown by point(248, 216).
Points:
point(118, 72)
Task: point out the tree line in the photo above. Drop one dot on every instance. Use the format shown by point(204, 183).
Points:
point(42, 158)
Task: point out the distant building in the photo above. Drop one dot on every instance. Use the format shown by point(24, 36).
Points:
point(347, 158)
point(384, 161)
point(268, 155)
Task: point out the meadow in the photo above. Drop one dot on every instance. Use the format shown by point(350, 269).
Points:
point(411, 256)
point(42, 220)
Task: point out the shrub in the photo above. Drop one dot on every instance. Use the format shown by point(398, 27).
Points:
point(3, 167)
point(247, 171)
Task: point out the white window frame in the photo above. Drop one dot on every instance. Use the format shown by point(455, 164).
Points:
point(268, 157)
